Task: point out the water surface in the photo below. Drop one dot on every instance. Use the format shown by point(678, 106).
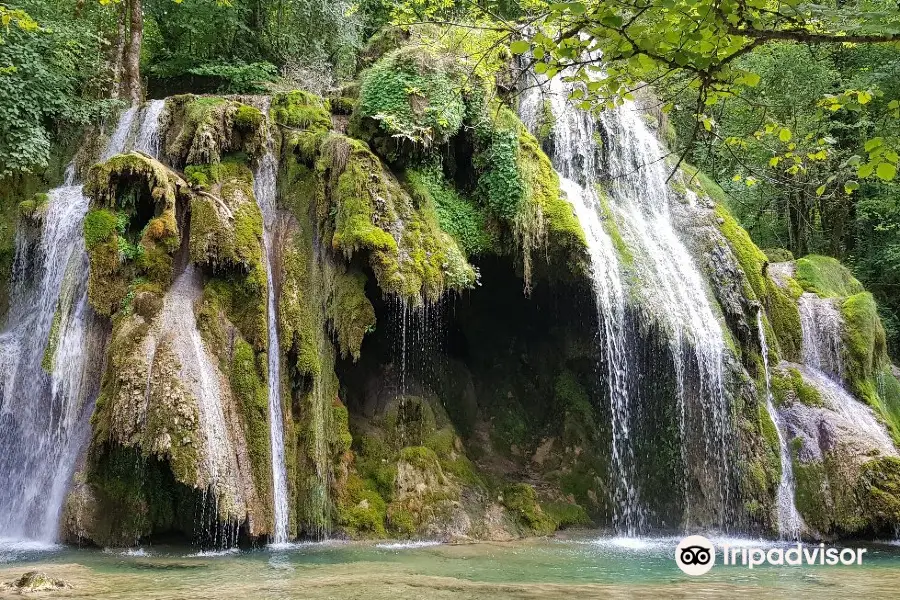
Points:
point(552, 568)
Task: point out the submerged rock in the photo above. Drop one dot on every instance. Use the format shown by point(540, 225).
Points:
point(36, 581)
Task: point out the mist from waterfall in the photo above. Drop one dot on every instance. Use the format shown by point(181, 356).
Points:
point(790, 524)
point(49, 370)
point(625, 177)
point(264, 182)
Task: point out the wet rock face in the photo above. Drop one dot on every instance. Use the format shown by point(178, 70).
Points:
point(835, 445)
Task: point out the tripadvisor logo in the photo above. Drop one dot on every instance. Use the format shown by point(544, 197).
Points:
point(696, 555)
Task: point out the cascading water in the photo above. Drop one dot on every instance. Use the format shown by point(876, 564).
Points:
point(820, 323)
point(264, 188)
point(148, 135)
point(47, 376)
point(668, 284)
point(790, 523)
point(575, 162)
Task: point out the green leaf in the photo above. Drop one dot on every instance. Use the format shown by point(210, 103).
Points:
point(820, 190)
point(873, 143)
point(886, 171)
point(519, 47)
point(785, 134)
point(851, 186)
point(751, 79)
point(865, 170)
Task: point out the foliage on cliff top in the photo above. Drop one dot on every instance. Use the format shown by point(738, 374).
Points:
point(415, 94)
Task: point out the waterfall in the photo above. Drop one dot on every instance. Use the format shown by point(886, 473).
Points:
point(665, 282)
point(820, 323)
point(790, 523)
point(264, 189)
point(48, 350)
point(148, 135)
point(118, 141)
point(575, 162)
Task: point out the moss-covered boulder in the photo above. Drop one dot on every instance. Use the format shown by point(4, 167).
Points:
point(203, 129)
point(363, 208)
point(131, 230)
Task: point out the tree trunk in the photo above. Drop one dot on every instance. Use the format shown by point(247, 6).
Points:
point(117, 54)
point(133, 52)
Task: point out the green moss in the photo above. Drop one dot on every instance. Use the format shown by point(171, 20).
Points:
point(773, 446)
point(864, 343)
point(701, 183)
point(125, 179)
point(780, 304)
point(350, 311)
point(521, 500)
point(203, 129)
point(342, 105)
point(555, 220)
point(301, 110)
point(879, 488)
point(359, 201)
point(777, 255)
point(889, 393)
point(788, 386)
point(566, 514)
point(362, 511)
point(414, 94)
point(99, 227)
point(456, 214)
point(31, 209)
point(811, 495)
point(248, 118)
point(420, 457)
point(826, 277)
point(249, 388)
point(340, 423)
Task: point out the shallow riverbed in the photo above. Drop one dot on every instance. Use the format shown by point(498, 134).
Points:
point(582, 567)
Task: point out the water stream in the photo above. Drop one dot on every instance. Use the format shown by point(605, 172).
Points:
point(790, 524)
point(264, 181)
point(820, 323)
point(48, 350)
point(575, 161)
point(622, 183)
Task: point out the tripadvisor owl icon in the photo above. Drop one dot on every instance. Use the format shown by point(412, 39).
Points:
point(695, 555)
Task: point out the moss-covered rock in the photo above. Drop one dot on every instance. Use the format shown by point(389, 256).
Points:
point(879, 489)
point(412, 94)
point(362, 207)
point(826, 277)
point(521, 500)
point(203, 129)
point(226, 223)
point(131, 230)
point(299, 109)
point(788, 386)
point(778, 298)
